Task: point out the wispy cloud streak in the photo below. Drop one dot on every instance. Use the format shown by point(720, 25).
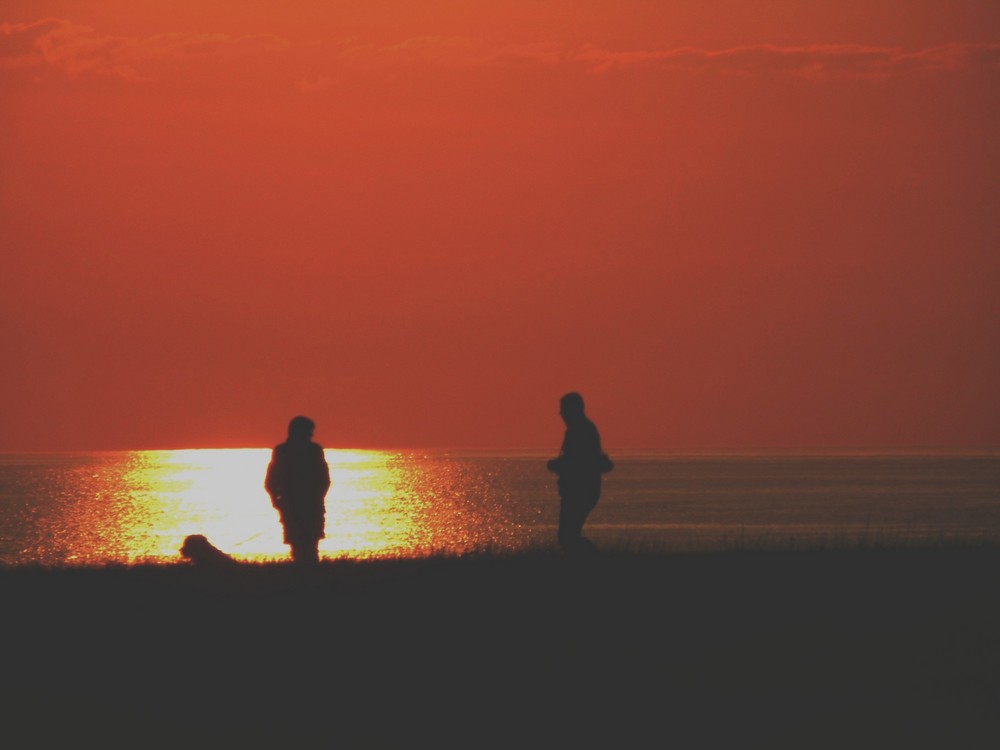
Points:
point(809, 60)
point(78, 51)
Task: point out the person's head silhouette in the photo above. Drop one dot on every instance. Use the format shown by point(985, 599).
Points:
point(571, 407)
point(301, 428)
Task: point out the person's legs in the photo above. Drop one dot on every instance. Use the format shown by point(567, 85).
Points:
point(312, 552)
point(570, 523)
point(305, 551)
point(573, 511)
point(299, 536)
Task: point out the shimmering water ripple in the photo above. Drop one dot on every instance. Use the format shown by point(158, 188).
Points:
point(97, 508)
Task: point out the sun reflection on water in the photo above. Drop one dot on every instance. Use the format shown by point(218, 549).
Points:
point(380, 504)
point(135, 506)
point(120, 507)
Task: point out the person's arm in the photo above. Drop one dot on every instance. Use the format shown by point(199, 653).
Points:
point(272, 482)
point(324, 472)
point(556, 465)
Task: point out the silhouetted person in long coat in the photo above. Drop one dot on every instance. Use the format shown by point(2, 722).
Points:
point(297, 480)
point(580, 464)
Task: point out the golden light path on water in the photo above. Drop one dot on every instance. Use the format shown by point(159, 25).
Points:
point(121, 507)
point(379, 505)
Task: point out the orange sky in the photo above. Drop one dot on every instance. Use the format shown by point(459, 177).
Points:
point(730, 225)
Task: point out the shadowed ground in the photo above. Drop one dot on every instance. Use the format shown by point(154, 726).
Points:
point(831, 649)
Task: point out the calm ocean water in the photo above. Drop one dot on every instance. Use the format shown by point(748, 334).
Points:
point(115, 507)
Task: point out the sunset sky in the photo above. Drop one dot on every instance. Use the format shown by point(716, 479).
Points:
point(730, 224)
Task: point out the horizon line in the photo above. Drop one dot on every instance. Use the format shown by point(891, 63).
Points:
point(633, 451)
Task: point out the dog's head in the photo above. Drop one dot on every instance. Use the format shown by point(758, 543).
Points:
point(195, 546)
point(203, 553)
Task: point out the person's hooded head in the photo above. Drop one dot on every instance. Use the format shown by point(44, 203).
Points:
point(571, 408)
point(301, 429)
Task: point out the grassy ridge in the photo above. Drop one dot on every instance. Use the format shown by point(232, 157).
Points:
point(835, 648)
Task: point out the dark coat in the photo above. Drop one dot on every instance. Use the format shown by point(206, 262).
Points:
point(580, 464)
point(297, 480)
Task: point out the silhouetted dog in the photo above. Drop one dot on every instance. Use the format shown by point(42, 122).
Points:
point(200, 551)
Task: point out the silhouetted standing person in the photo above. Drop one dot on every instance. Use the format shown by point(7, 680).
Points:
point(297, 480)
point(580, 464)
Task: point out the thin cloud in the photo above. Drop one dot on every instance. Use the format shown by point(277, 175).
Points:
point(811, 61)
point(421, 50)
point(78, 51)
point(20, 42)
point(808, 60)
point(817, 62)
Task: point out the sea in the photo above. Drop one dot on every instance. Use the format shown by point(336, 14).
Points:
point(124, 507)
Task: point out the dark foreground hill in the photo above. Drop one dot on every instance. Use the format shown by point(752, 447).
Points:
point(834, 649)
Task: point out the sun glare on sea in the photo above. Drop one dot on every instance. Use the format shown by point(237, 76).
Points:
point(220, 494)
